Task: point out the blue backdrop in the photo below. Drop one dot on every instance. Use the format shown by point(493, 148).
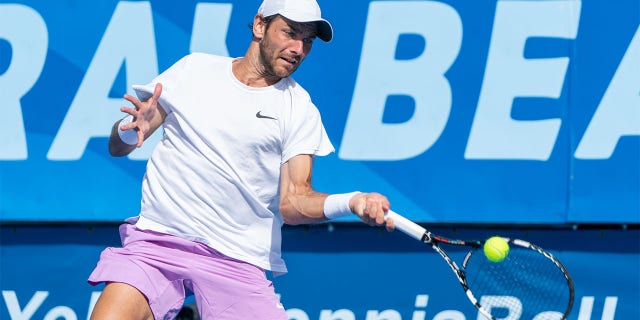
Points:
point(347, 272)
point(458, 111)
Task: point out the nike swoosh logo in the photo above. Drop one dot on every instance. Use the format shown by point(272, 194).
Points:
point(259, 115)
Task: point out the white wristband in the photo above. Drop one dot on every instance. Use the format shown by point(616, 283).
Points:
point(130, 136)
point(337, 205)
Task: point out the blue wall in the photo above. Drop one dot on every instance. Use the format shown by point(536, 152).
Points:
point(458, 111)
point(348, 269)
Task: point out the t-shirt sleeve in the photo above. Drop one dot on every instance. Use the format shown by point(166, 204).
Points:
point(306, 135)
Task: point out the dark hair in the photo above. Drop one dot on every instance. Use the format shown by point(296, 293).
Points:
point(266, 20)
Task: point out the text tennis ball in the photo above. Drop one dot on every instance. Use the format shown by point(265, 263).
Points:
point(496, 249)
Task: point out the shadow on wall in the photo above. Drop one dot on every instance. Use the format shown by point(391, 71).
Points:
point(188, 312)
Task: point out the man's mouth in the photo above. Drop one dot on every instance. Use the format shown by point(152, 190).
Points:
point(292, 61)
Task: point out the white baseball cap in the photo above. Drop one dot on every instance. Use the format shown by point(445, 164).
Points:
point(299, 11)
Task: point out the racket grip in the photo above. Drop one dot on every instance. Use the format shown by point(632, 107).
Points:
point(405, 225)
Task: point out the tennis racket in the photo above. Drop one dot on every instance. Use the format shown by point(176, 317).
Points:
point(529, 284)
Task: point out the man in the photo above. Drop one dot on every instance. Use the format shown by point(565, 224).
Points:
point(234, 164)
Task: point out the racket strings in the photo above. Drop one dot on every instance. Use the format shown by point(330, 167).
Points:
point(526, 285)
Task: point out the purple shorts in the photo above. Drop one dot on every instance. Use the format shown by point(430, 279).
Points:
point(166, 269)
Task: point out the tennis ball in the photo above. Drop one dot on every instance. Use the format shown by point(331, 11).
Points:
point(496, 249)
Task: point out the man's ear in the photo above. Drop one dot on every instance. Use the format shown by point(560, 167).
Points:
point(259, 26)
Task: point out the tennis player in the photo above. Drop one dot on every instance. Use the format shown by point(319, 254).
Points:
point(233, 166)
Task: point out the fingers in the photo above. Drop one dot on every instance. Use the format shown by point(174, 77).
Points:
point(143, 113)
point(153, 101)
point(140, 139)
point(389, 225)
point(127, 110)
point(133, 100)
point(371, 208)
point(157, 91)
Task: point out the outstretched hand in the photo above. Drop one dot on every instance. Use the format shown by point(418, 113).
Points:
point(371, 208)
point(142, 112)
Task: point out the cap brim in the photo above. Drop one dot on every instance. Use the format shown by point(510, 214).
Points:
point(324, 29)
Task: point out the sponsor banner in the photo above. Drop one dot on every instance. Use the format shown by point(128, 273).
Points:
point(458, 111)
point(377, 276)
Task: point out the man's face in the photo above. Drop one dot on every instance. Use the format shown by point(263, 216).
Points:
point(284, 45)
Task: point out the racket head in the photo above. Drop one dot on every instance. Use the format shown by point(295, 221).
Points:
point(530, 283)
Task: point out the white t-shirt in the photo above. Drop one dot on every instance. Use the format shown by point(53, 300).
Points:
point(214, 177)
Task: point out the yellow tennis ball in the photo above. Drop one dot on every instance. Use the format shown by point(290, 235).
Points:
point(496, 249)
